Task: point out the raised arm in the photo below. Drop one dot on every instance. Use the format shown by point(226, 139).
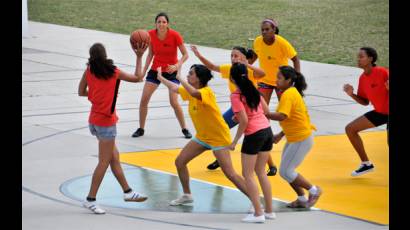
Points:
point(82, 87)
point(138, 76)
point(189, 88)
point(205, 61)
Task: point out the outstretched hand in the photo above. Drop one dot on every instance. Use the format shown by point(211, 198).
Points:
point(348, 89)
point(195, 50)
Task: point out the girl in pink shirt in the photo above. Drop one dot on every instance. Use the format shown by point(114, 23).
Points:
point(250, 109)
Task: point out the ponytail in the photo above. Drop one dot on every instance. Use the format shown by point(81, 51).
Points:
point(297, 79)
point(249, 53)
point(239, 75)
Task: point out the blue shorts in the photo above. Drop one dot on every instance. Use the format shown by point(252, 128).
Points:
point(101, 132)
point(262, 85)
point(228, 118)
point(206, 145)
point(152, 77)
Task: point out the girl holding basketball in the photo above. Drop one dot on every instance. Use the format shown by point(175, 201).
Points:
point(100, 83)
point(238, 55)
point(374, 88)
point(250, 109)
point(162, 53)
point(212, 133)
point(294, 119)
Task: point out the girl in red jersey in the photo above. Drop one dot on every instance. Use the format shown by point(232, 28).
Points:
point(102, 78)
point(374, 88)
point(163, 49)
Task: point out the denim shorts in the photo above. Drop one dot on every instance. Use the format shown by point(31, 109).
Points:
point(152, 77)
point(102, 132)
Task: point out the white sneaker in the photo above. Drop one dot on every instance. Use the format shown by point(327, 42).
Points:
point(134, 196)
point(93, 207)
point(184, 199)
point(252, 209)
point(250, 218)
point(270, 215)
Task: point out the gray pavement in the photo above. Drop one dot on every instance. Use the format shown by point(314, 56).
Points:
point(57, 146)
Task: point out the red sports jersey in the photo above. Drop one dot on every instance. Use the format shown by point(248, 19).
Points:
point(373, 88)
point(165, 51)
point(102, 94)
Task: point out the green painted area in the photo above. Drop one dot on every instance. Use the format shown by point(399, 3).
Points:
point(162, 188)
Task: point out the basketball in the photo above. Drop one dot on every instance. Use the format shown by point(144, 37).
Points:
point(139, 36)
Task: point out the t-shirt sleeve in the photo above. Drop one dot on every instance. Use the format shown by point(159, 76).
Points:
point(206, 95)
point(236, 102)
point(178, 38)
point(289, 50)
point(285, 104)
point(225, 70)
point(184, 94)
point(361, 92)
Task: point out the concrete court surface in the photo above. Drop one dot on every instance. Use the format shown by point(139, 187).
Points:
point(57, 146)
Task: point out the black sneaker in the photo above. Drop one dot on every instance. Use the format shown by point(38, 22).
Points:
point(138, 133)
point(186, 133)
point(363, 169)
point(214, 165)
point(272, 171)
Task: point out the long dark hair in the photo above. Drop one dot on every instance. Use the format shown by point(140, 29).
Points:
point(203, 74)
point(239, 75)
point(249, 53)
point(100, 66)
point(297, 79)
point(162, 14)
point(371, 52)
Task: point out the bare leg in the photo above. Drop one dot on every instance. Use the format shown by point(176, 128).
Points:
point(299, 183)
point(224, 158)
point(147, 92)
point(173, 99)
point(263, 179)
point(352, 131)
point(248, 168)
point(117, 170)
point(105, 148)
point(189, 152)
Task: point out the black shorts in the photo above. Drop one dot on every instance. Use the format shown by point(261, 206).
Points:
point(376, 118)
point(152, 77)
point(260, 141)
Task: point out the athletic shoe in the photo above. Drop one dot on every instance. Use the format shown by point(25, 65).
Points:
point(272, 171)
point(270, 215)
point(250, 218)
point(184, 199)
point(252, 209)
point(313, 198)
point(214, 165)
point(134, 196)
point(363, 169)
point(186, 133)
point(93, 207)
point(138, 133)
point(297, 204)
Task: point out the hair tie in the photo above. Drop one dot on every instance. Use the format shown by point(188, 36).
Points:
point(274, 23)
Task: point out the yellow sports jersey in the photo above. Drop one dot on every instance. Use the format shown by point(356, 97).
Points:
point(296, 126)
point(209, 124)
point(273, 56)
point(225, 73)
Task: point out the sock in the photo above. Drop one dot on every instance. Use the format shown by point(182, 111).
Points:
point(302, 198)
point(368, 163)
point(90, 199)
point(313, 190)
point(128, 190)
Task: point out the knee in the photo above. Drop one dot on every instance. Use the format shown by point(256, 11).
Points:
point(350, 128)
point(230, 174)
point(287, 174)
point(179, 162)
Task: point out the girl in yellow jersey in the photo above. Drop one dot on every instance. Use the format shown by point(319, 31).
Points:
point(212, 133)
point(294, 119)
point(238, 55)
point(273, 51)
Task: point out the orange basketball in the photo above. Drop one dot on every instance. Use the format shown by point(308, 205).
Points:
point(139, 36)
